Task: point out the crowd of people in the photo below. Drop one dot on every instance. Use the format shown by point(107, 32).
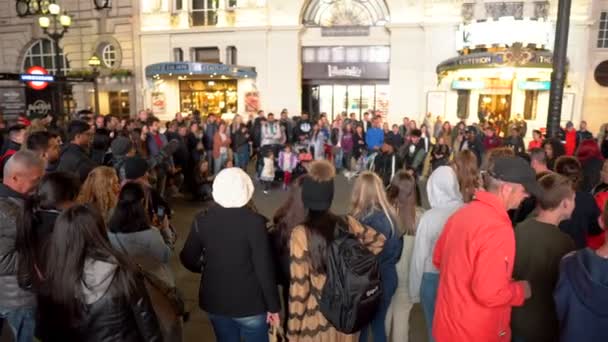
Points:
point(497, 240)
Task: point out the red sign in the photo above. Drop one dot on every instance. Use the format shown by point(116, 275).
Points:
point(37, 70)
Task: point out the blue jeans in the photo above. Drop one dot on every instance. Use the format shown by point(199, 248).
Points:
point(338, 159)
point(251, 329)
point(428, 297)
point(389, 286)
point(241, 157)
point(22, 322)
point(220, 162)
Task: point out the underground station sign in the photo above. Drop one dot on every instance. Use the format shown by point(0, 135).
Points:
point(37, 78)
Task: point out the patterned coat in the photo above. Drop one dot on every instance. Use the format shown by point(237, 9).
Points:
point(306, 322)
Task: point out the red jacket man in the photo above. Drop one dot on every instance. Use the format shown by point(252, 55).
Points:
point(475, 255)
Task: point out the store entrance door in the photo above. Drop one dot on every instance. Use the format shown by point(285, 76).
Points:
point(496, 109)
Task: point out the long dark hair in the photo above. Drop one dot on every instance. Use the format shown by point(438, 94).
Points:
point(290, 214)
point(402, 195)
point(54, 190)
point(320, 230)
point(79, 234)
point(130, 214)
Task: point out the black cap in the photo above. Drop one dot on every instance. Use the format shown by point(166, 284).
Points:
point(317, 195)
point(16, 127)
point(518, 171)
point(135, 167)
point(470, 129)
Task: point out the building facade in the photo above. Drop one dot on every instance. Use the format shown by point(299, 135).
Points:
point(457, 59)
point(107, 33)
point(460, 60)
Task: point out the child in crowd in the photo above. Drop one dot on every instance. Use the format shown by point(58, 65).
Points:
point(268, 171)
point(203, 180)
point(287, 163)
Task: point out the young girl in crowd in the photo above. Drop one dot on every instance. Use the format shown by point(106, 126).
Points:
point(221, 147)
point(268, 171)
point(347, 143)
point(370, 206)
point(100, 190)
point(203, 179)
point(308, 248)
point(94, 293)
point(317, 142)
point(402, 197)
point(287, 162)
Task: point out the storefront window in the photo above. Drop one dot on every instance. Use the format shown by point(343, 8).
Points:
point(340, 99)
point(209, 97)
point(119, 103)
point(530, 104)
point(353, 98)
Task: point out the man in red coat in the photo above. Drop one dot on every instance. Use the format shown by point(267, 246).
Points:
point(475, 256)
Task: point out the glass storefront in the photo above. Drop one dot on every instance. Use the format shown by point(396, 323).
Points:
point(334, 99)
point(208, 96)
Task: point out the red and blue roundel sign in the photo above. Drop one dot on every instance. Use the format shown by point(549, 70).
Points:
point(37, 77)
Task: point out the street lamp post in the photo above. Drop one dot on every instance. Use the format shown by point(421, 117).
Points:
point(94, 63)
point(60, 24)
point(558, 76)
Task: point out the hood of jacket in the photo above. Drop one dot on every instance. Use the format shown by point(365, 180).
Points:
point(582, 271)
point(443, 189)
point(98, 276)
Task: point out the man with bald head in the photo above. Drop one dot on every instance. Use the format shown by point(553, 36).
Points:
point(22, 173)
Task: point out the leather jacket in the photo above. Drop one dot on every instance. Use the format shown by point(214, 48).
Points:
point(109, 314)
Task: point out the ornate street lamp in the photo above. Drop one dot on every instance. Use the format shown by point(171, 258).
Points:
point(95, 62)
point(55, 26)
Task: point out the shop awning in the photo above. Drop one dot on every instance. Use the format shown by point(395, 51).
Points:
point(516, 58)
point(200, 69)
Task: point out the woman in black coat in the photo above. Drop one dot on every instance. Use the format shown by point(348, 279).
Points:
point(229, 244)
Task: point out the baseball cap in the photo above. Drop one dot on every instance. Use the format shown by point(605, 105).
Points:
point(516, 170)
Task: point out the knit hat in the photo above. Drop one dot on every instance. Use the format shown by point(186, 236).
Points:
point(121, 146)
point(318, 187)
point(232, 188)
point(135, 167)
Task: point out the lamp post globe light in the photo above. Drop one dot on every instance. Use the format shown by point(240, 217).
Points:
point(55, 26)
point(95, 62)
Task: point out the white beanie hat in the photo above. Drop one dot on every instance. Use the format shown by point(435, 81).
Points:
point(232, 188)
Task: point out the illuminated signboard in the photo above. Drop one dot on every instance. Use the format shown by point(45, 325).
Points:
point(37, 77)
point(505, 31)
point(467, 85)
point(534, 85)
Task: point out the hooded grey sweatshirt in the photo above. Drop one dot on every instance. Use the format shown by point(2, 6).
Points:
point(445, 198)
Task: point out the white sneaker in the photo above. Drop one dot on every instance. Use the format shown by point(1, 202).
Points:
point(266, 192)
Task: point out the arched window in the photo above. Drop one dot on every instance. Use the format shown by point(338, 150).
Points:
point(329, 13)
point(108, 55)
point(42, 53)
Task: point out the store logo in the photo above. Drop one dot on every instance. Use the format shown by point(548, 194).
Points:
point(336, 71)
point(39, 107)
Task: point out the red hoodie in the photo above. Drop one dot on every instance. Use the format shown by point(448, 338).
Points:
point(475, 256)
point(570, 145)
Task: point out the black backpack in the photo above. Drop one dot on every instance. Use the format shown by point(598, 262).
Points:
point(351, 295)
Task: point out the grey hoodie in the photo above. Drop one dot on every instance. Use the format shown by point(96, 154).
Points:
point(445, 198)
point(98, 276)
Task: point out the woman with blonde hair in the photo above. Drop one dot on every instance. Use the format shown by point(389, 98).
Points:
point(467, 173)
point(101, 189)
point(402, 196)
point(371, 207)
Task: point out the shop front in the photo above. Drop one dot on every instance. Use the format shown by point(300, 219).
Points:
point(201, 88)
point(351, 79)
point(502, 72)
